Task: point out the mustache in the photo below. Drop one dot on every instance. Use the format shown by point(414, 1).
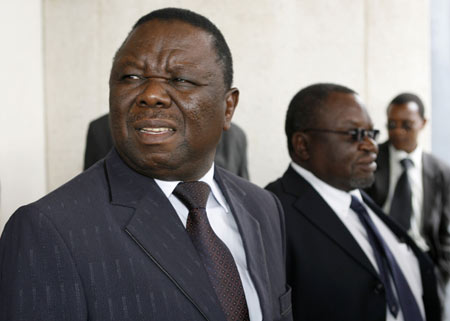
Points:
point(151, 114)
point(367, 156)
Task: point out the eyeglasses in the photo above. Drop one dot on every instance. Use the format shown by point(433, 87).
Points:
point(357, 134)
point(406, 125)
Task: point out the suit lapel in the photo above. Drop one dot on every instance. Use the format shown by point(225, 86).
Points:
point(429, 181)
point(250, 232)
point(430, 296)
point(158, 231)
point(313, 207)
point(402, 236)
point(382, 174)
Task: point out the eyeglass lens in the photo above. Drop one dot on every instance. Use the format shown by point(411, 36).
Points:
point(406, 125)
point(359, 134)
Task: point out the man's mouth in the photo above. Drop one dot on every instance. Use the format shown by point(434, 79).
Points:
point(155, 130)
point(368, 163)
point(372, 166)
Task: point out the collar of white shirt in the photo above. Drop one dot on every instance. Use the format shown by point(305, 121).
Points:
point(168, 187)
point(225, 226)
point(337, 199)
point(415, 155)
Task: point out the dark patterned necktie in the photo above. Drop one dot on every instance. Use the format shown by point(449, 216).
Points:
point(401, 206)
point(216, 257)
point(387, 265)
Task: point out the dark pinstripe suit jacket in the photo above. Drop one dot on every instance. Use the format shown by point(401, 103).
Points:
point(108, 245)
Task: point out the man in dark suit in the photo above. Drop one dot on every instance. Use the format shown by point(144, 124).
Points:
point(346, 260)
point(426, 211)
point(231, 152)
point(154, 231)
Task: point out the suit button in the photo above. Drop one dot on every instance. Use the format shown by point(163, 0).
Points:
point(379, 288)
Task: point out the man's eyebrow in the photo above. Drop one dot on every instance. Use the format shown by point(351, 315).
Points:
point(190, 67)
point(128, 63)
point(181, 65)
point(354, 123)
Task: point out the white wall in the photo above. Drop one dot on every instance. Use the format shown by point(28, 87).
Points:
point(377, 47)
point(22, 139)
point(440, 51)
point(440, 71)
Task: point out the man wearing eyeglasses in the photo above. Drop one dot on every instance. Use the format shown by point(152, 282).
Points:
point(346, 260)
point(417, 195)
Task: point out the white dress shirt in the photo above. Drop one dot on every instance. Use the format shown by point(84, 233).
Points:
point(340, 201)
point(224, 225)
point(416, 182)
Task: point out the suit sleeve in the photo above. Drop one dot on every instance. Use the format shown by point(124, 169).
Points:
point(243, 170)
point(285, 300)
point(91, 153)
point(444, 230)
point(98, 141)
point(38, 278)
point(282, 225)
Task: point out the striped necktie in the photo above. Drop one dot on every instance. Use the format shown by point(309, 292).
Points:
point(215, 255)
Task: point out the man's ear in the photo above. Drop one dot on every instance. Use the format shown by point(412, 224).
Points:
point(424, 122)
point(231, 101)
point(300, 145)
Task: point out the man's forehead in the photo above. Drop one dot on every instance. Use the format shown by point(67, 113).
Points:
point(167, 35)
point(168, 28)
point(343, 96)
point(338, 103)
point(409, 107)
point(345, 108)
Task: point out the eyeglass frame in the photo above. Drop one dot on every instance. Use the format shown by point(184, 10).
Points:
point(357, 134)
point(406, 125)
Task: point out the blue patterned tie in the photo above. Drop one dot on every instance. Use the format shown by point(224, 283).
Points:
point(387, 265)
point(216, 257)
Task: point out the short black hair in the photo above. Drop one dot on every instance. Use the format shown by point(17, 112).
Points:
point(304, 108)
point(199, 21)
point(405, 98)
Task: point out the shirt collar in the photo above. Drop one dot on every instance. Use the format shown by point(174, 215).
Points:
point(168, 187)
point(415, 155)
point(337, 199)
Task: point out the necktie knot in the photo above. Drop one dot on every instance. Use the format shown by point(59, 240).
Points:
point(193, 194)
point(406, 163)
point(357, 206)
point(213, 253)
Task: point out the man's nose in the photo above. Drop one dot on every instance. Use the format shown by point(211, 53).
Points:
point(154, 94)
point(369, 145)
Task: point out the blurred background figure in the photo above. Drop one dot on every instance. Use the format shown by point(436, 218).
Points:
point(231, 153)
point(414, 186)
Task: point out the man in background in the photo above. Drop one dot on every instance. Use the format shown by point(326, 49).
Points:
point(231, 152)
point(414, 186)
point(154, 231)
point(346, 260)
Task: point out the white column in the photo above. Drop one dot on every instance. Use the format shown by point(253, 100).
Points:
point(22, 133)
